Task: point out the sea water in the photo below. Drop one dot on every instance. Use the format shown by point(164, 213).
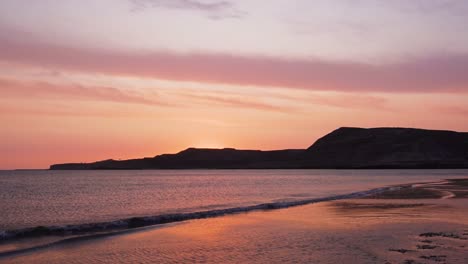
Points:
point(56, 198)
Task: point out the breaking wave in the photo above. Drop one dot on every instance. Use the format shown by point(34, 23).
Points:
point(136, 222)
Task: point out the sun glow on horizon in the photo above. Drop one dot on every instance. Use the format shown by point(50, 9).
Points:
point(258, 76)
point(208, 144)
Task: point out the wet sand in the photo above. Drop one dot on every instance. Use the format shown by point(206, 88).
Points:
point(421, 223)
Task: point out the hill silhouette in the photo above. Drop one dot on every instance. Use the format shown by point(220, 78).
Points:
point(344, 148)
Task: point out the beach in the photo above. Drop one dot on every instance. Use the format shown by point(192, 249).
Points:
point(411, 223)
point(234, 131)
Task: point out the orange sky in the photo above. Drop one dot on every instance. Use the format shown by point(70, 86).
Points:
point(70, 93)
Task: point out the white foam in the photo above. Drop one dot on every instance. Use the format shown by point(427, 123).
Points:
point(135, 222)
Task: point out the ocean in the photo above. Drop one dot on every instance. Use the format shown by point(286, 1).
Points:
point(45, 198)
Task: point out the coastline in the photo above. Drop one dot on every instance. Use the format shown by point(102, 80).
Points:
point(398, 216)
point(144, 221)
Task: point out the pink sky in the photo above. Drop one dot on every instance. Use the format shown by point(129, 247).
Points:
point(89, 80)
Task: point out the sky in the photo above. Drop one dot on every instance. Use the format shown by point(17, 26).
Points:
point(85, 80)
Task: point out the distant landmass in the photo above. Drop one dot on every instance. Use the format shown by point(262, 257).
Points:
point(344, 148)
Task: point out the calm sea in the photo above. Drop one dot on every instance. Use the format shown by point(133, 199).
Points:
point(47, 198)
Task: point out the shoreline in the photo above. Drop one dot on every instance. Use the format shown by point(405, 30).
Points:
point(145, 221)
point(120, 225)
point(395, 197)
point(395, 191)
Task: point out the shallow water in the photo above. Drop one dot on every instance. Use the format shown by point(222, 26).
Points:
point(35, 198)
point(317, 233)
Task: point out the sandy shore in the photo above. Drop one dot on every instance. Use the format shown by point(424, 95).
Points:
point(421, 223)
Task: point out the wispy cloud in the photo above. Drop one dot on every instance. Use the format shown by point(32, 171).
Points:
point(62, 110)
point(213, 9)
point(350, 101)
point(436, 73)
point(237, 102)
point(45, 90)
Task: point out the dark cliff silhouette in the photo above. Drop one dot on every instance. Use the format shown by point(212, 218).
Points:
point(344, 148)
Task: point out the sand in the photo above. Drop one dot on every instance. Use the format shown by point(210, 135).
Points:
point(421, 223)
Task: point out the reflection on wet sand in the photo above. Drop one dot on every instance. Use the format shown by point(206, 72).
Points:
point(381, 229)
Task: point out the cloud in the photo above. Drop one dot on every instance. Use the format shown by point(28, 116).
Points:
point(344, 101)
point(446, 73)
point(350, 101)
point(213, 9)
point(61, 110)
point(237, 102)
point(45, 90)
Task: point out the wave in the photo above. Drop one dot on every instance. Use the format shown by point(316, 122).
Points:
point(136, 222)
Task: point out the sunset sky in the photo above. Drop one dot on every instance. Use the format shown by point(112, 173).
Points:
point(86, 80)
